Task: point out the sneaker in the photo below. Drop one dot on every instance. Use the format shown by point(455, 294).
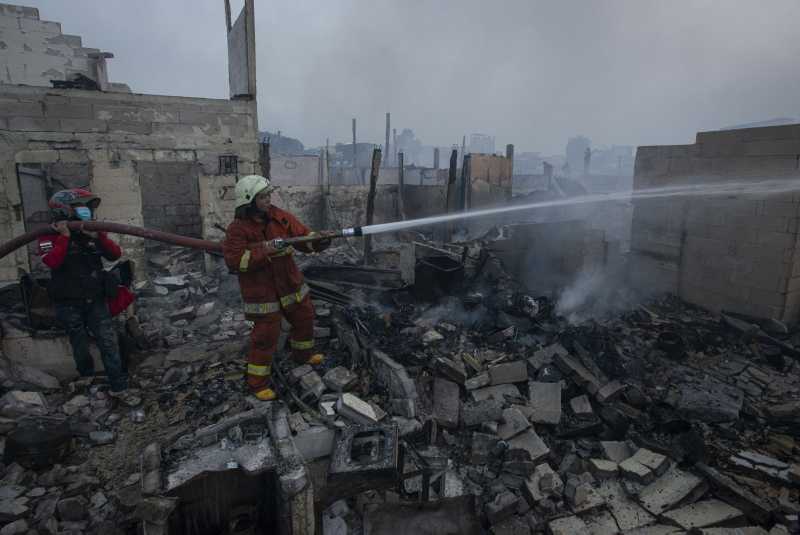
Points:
point(126, 397)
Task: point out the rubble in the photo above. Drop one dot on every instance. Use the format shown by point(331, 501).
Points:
point(523, 424)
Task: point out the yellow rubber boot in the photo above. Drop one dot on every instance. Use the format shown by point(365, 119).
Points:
point(316, 360)
point(267, 394)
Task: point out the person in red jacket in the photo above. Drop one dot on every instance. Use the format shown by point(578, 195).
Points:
point(78, 286)
point(271, 284)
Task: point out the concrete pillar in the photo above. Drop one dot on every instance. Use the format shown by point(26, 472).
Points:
point(436, 158)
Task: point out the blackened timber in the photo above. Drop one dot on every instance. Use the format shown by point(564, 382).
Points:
point(401, 182)
point(373, 182)
point(451, 184)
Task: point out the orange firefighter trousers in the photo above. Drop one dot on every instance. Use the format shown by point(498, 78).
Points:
point(264, 341)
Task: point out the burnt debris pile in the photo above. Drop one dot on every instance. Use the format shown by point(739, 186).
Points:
point(463, 402)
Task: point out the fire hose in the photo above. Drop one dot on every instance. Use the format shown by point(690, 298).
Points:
point(165, 237)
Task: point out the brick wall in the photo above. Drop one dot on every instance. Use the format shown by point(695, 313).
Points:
point(116, 134)
point(733, 253)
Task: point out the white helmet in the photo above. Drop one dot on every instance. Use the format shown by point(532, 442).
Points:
point(249, 186)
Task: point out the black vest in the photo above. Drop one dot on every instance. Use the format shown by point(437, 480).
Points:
point(80, 276)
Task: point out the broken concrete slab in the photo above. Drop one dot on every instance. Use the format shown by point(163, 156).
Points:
point(711, 401)
point(516, 525)
point(707, 513)
point(656, 529)
point(451, 369)
point(451, 515)
point(581, 496)
point(312, 386)
point(479, 381)
point(545, 356)
point(628, 514)
point(603, 469)
point(501, 507)
point(297, 373)
point(610, 392)
point(755, 508)
point(668, 491)
point(339, 379)
point(473, 414)
point(654, 461)
point(616, 451)
point(18, 403)
point(392, 376)
point(636, 471)
point(530, 442)
point(482, 447)
point(354, 408)
point(570, 525)
point(446, 403)
point(508, 373)
point(602, 523)
point(514, 423)
point(577, 372)
point(543, 483)
point(545, 400)
point(581, 407)
point(498, 392)
point(315, 442)
point(431, 337)
point(34, 377)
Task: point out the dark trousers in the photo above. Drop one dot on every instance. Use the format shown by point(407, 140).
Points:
point(76, 318)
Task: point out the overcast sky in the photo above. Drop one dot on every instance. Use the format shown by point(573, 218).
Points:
point(530, 72)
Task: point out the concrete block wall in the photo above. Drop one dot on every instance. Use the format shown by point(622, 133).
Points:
point(114, 133)
point(733, 253)
point(34, 52)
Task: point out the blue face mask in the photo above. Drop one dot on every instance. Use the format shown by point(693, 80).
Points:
point(84, 213)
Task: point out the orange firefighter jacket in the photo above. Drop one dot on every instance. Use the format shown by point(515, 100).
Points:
point(268, 282)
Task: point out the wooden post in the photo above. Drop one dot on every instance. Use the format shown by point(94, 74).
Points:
point(355, 152)
point(328, 163)
point(401, 183)
point(228, 15)
point(264, 159)
point(373, 181)
point(510, 157)
point(436, 158)
point(463, 146)
point(386, 147)
point(451, 185)
point(393, 156)
point(466, 194)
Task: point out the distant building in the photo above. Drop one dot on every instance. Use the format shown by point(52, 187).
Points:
point(282, 145)
point(576, 151)
point(481, 144)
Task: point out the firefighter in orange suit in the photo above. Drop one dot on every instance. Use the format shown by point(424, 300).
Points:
point(271, 284)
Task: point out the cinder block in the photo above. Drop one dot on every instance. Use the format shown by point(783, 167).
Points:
point(130, 127)
point(36, 156)
point(32, 124)
point(770, 133)
point(83, 125)
point(198, 117)
point(59, 110)
point(128, 114)
point(14, 108)
point(42, 26)
point(772, 147)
